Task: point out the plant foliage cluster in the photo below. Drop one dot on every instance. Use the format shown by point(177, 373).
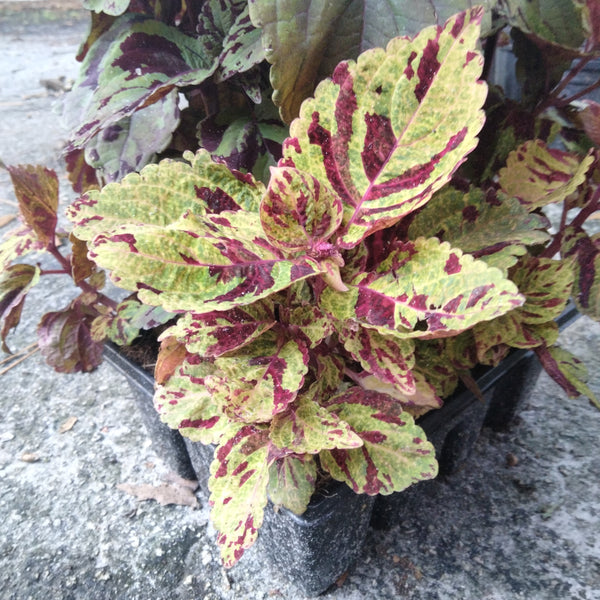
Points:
point(334, 213)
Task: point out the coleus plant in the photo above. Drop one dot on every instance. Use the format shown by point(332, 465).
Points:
point(322, 308)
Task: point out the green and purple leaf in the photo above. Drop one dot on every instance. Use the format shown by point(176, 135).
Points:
point(15, 283)
point(388, 358)
point(538, 175)
point(238, 486)
point(307, 428)
point(65, 338)
point(36, 189)
point(261, 379)
point(421, 401)
point(568, 371)
point(292, 482)
point(18, 242)
point(585, 250)
point(395, 453)
point(110, 7)
point(215, 262)
point(135, 63)
point(491, 227)
point(162, 193)
point(382, 132)
point(218, 332)
point(299, 214)
point(424, 289)
point(130, 144)
point(184, 403)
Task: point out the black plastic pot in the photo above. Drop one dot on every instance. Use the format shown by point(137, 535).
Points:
point(312, 550)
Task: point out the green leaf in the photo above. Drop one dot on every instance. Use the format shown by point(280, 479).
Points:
point(292, 482)
point(15, 283)
point(162, 193)
point(239, 475)
point(556, 21)
point(382, 131)
point(307, 428)
point(395, 454)
point(494, 228)
point(298, 213)
point(294, 35)
point(215, 262)
point(110, 7)
point(538, 175)
point(132, 65)
point(219, 332)
point(261, 379)
point(568, 371)
point(388, 358)
point(184, 403)
point(424, 289)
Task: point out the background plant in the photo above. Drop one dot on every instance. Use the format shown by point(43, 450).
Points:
point(323, 307)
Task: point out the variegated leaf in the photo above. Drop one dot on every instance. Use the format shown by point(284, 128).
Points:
point(16, 243)
point(546, 285)
point(388, 358)
point(299, 213)
point(307, 428)
point(382, 132)
point(162, 193)
point(397, 297)
point(261, 379)
point(328, 373)
point(395, 453)
point(585, 250)
point(184, 403)
point(36, 189)
point(130, 144)
point(242, 48)
point(132, 65)
point(309, 323)
point(15, 283)
point(433, 361)
point(492, 227)
point(131, 316)
point(81, 266)
point(215, 262)
point(292, 482)
point(238, 486)
point(538, 175)
point(568, 371)
point(417, 404)
point(82, 177)
point(218, 332)
point(110, 7)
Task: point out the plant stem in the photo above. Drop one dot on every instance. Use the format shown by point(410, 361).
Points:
point(592, 206)
point(83, 285)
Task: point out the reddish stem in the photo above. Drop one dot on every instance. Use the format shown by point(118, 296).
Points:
point(83, 285)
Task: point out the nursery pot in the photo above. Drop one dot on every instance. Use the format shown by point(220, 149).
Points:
point(314, 549)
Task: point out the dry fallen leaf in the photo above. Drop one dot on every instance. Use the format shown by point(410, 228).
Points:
point(67, 425)
point(6, 219)
point(164, 494)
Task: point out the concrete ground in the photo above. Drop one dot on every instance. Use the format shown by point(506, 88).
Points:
point(521, 520)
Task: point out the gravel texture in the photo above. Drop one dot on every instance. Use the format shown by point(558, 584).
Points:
point(521, 520)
